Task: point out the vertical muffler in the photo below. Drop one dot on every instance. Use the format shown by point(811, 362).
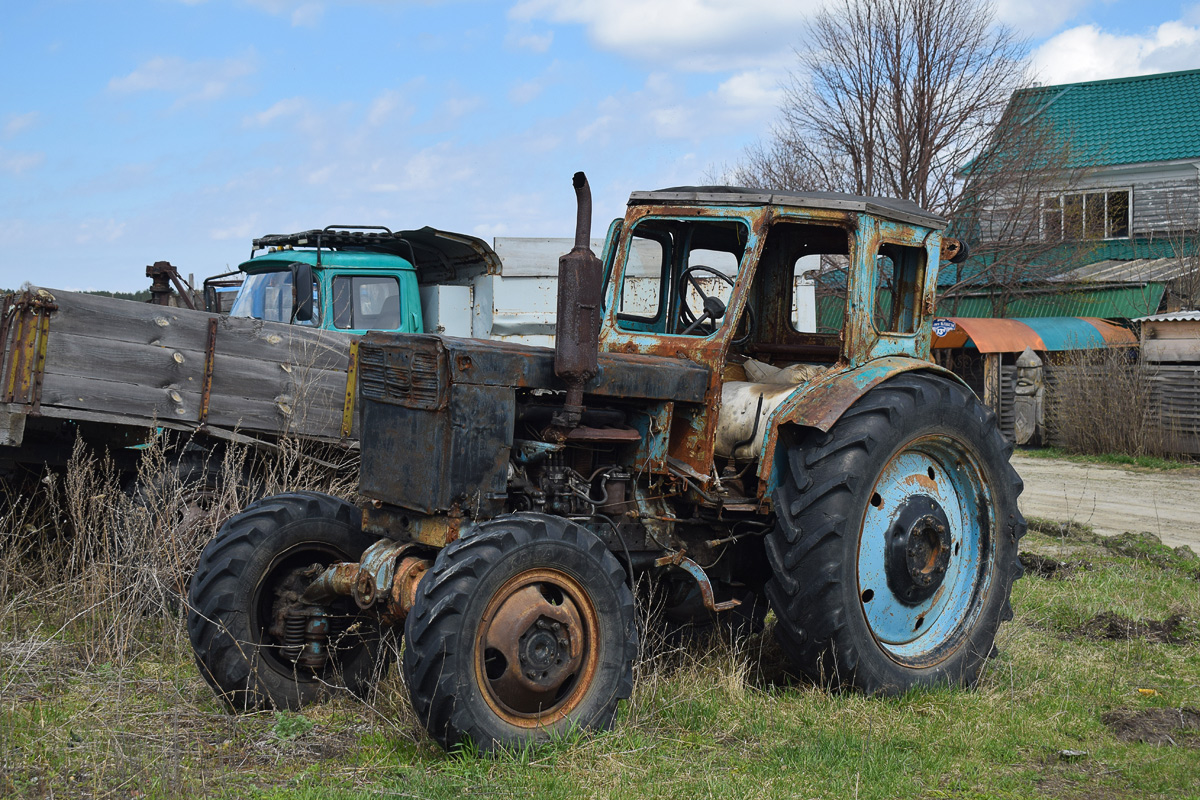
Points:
point(577, 329)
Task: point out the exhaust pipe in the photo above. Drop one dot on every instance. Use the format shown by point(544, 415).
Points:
point(577, 328)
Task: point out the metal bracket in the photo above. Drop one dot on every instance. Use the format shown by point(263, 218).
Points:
point(678, 559)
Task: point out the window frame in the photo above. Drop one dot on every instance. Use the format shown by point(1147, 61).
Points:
point(1061, 197)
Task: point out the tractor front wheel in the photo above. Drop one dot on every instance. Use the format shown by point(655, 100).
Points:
point(896, 543)
point(241, 618)
point(522, 630)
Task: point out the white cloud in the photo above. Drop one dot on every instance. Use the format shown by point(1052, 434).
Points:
point(525, 92)
point(99, 230)
point(1088, 53)
point(1037, 17)
point(385, 105)
point(20, 122)
point(243, 230)
point(528, 40)
point(16, 163)
point(756, 91)
point(284, 108)
point(693, 35)
point(190, 81)
point(308, 15)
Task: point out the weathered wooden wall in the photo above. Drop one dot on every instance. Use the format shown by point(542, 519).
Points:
point(147, 363)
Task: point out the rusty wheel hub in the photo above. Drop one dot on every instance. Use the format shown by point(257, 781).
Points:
point(536, 652)
point(919, 549)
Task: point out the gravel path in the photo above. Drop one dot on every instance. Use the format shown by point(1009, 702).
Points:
point(1113, 499)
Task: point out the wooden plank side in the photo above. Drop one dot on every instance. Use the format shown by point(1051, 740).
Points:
point(85, 358)
point(95, 358)
point(131, 400)
point(183, 329)
point(141, 362)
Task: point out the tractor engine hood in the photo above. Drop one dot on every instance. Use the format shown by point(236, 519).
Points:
point(442, 412)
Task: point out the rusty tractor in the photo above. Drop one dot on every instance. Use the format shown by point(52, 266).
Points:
point(740, 409)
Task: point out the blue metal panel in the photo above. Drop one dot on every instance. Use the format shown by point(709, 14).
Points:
point(1065, 333)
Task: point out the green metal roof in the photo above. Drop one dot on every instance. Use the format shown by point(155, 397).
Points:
point(1105, 302)
point(1109, 302)
point(1122, 121)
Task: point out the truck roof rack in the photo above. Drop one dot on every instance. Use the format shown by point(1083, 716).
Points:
point(438, 256)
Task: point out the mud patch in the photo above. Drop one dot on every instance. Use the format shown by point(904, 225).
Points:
point(1170, 727)
point(1050, 568)
point(1108, 625)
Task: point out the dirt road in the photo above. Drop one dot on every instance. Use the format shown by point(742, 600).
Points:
point(1112, 499)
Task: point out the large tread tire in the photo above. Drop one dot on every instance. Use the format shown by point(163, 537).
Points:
point(235, 586)
point(832, 505)
point(447, 662)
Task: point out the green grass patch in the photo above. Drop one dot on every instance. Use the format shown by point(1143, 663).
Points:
point(718, 722)
point(1111, 459)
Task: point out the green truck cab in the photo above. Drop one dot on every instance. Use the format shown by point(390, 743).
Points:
point(359, 279)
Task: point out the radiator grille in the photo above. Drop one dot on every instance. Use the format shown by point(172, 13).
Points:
point(411, 375)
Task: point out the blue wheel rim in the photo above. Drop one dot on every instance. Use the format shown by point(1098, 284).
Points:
point(927, 630)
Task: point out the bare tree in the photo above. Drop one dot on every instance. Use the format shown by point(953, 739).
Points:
point(923, 100)
point(891, 97)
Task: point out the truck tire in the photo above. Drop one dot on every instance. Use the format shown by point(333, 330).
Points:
point(521, 631)
point(895, 546)
point(256, 562)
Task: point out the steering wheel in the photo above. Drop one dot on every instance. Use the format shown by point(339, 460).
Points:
point(705, 323)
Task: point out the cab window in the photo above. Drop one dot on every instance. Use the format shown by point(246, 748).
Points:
point(366, 302)
point(679, 275)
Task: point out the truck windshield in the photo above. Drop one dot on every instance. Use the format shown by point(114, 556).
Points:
point(268, 296)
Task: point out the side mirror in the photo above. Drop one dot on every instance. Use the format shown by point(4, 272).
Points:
point(302, 292)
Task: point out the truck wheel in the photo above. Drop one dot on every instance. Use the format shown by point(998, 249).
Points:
point(521, 631)
point(259, 562)
point(895, 548)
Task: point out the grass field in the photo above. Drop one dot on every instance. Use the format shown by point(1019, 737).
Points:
point(1094, 692)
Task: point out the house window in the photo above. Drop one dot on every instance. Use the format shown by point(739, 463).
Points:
point(1086, 215)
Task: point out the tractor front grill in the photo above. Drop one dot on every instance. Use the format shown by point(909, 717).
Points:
point(410, 372)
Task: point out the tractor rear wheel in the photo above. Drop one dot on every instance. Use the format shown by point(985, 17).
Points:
point(895, 548)
point(522, 630)
point(247, 579)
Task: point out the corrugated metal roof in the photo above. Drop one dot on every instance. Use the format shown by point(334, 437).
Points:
point(992, 335)
point(1124, 121)
point(1138, 270)
point(1171, 316)
point(1109, 302)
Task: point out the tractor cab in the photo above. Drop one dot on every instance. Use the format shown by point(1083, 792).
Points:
point(771, 292)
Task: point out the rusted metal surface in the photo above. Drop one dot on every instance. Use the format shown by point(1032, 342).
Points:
point(821, 403)
point(351, 380)
point(26, 332)
point(537, 648)
point(387, 576)
point(678, 559)
point(210, 351)
point(578, 321)
point(163, 275)
point(403, 595)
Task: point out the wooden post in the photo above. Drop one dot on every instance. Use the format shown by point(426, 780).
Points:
point(991, 381)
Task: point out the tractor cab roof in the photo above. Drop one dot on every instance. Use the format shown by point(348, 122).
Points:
point(902, 211)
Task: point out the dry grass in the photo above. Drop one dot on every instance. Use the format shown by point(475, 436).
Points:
point(1103, 402)
point(99, 696)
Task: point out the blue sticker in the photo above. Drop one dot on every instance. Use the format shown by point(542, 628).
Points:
point(942, 326)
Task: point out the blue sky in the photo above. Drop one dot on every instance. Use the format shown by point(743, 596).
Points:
point(146, 130)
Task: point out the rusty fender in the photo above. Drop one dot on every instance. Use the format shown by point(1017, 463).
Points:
point(821, 403)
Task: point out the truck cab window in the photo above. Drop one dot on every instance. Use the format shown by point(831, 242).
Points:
point(268, 296)
point(365, 302)
point(679, 275)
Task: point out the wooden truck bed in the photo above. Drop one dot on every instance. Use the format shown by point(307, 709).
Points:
point(97, 359)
